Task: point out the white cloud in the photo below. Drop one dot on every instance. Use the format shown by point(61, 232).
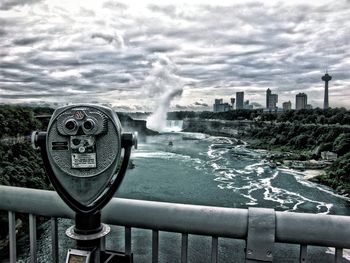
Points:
point(65, 74)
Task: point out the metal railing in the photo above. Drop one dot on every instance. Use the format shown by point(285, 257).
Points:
point(260, 227)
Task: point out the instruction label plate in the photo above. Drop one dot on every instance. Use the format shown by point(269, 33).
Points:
point(84, 160)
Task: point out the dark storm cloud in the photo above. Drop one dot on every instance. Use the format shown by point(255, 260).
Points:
point(37, 95)
point(108, 38)
point(107, 49)
point(192, 107)
point(26, 41)
point(8, 4)
point(56, 62)
point(2, 32)
point(181, 107)
point(160, 48)
point(201, 104)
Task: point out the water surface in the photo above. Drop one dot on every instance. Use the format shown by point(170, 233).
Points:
point(205, 170)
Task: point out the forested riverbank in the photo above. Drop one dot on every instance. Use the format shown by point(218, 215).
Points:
point(307, 142)
point(293, 135)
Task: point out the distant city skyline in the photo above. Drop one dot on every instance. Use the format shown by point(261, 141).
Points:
point(133, 55)
point(271, 101)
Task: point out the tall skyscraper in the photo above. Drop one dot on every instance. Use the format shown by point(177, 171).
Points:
point(216, 106)
point(287, 105)
point(271, 100)
point(268, 93)
point(239, 100)
point(326, 78)
point(300, 101)
point(218, 101)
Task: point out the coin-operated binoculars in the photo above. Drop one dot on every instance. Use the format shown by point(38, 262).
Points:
point(81, 151)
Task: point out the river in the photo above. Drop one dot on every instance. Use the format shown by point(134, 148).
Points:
point(205, 170)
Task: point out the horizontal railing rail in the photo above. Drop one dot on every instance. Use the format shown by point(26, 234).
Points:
point(287, 227)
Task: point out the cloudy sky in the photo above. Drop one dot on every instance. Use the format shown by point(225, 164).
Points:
point(133, 54)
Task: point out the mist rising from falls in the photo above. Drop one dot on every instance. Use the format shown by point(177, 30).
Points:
point(164, 84)
point(157, 121)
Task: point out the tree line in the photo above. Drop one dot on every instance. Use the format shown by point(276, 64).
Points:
point(20, 164)
point(329, 116)
point(297, 136)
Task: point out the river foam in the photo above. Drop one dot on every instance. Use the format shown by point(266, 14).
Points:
point(259, 183)
point(244, 172)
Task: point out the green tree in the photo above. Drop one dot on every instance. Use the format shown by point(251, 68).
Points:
point(341, 144)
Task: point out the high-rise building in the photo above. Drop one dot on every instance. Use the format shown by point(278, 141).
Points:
point(287, 105)
point(216, 106)
point(239, 100)
point(233, 100)
point(220, 106)
point(218, 101)
point(268, 93)
point(271, 100)
point(300, 101)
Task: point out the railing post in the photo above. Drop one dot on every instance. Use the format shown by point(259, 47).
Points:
point(12, 236)
point(127, 240)
point(261, 234)
point(338, 257)
point(54, 240)
point(184, 247)
point(32, 237)
point(214, 249)
point(303, 253)
point(155, 246)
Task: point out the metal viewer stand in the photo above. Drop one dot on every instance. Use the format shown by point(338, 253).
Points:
point(81, 151)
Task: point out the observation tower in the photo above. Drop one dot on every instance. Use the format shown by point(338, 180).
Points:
point(326, 78)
